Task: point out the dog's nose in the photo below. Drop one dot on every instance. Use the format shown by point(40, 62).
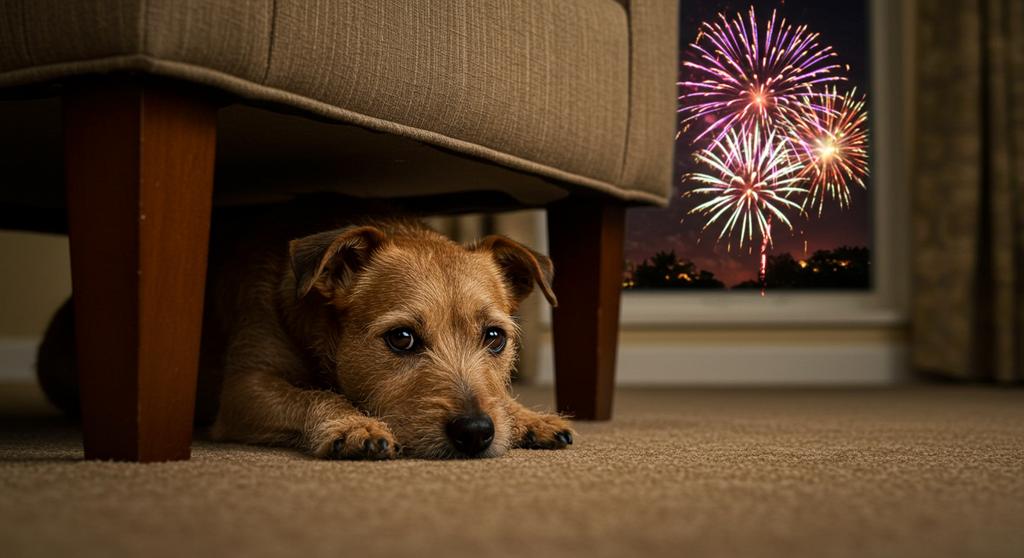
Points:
point(471, 434)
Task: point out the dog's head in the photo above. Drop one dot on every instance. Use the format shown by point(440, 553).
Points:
point(424, 336)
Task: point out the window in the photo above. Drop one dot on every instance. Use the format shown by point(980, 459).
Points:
point(822, 128)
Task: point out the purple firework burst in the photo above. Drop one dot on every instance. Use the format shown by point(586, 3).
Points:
point(744, 78)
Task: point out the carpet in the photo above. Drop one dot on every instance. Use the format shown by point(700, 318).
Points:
point(920, 471)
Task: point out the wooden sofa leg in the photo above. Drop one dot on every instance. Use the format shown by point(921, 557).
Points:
point(586, 245)
point(139, 168)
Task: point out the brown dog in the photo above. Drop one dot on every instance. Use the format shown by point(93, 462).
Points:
point(374, 340)
point(377, 340)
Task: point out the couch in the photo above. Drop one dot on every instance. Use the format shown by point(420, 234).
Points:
point(124, 122)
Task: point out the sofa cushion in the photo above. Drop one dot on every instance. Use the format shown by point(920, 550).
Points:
point(537, 86)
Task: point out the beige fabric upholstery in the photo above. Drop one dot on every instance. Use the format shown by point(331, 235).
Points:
point(575, 90)
point(652, 93)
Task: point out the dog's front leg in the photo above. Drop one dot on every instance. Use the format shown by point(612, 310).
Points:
point(534, 430)
point(266, 408)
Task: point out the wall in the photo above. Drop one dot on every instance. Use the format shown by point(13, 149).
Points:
point(777, 356)
point(35, 279)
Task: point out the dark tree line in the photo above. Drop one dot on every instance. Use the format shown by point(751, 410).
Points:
point(846, 267)
point(666, 271)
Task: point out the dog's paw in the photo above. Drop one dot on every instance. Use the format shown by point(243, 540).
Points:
point(366, 439)
point(544, 431)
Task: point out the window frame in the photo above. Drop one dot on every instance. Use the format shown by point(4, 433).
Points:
point(885, 303)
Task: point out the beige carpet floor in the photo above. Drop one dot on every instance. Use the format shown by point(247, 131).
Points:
point(931, 471)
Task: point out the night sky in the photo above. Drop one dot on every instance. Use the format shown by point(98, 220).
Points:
point(843, 25)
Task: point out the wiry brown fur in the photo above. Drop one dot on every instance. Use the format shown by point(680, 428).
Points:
point(305, 363)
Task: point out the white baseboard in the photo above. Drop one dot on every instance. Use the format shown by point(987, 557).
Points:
point(751, 364)
point(18, 358)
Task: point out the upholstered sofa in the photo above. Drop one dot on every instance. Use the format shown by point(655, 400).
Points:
point(123, 122)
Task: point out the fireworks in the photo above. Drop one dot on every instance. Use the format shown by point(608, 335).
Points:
point(778, 137)
point(752, 181)
point(742, 80)
point(831, 145)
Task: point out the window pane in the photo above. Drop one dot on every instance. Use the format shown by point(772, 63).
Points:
point(772, 144)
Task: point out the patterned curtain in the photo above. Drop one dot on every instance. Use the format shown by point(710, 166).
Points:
point(968, 179)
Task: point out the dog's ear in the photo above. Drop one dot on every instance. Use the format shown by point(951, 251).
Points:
point(327, 261)
point(522, 267)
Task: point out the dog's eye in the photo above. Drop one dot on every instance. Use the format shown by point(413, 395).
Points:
point(401, 340)
point(494, 339)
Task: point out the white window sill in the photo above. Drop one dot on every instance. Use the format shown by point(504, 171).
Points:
point(718, 309)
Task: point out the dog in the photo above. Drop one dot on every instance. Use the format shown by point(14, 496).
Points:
point(374, 340)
